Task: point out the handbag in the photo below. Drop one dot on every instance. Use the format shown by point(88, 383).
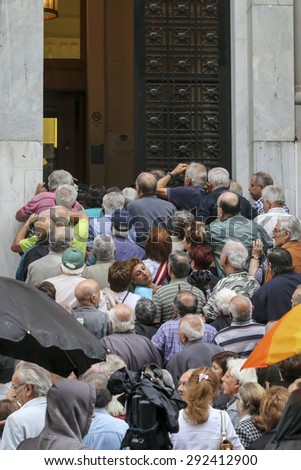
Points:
point(226, 444)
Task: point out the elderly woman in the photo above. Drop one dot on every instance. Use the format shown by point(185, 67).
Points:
point(249, 398)
point(270, 411)
point(199, 423)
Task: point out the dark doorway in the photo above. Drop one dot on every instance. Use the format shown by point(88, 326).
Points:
point(182, 83)
point(66, 113)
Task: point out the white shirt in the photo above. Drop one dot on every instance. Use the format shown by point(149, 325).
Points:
point(26, 422)
point(205, 436)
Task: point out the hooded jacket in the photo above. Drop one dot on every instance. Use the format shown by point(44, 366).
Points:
point(70, 406)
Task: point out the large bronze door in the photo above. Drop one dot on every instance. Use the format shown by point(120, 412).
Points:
point(182, 83)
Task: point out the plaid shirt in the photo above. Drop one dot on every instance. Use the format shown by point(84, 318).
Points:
point(247, 431)
point(168, 342)
point(259, 207)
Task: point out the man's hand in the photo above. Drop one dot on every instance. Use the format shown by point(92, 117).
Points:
point(179, 169)
point(41, 188)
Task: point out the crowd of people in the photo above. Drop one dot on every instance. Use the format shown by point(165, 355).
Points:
point(179, 272)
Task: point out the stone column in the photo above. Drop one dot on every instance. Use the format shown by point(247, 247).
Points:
point(269, 86)
point(21, 115)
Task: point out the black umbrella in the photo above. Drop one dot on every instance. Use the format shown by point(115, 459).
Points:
point(36, 329)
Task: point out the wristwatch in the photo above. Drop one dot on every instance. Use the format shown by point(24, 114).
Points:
point(169, 173)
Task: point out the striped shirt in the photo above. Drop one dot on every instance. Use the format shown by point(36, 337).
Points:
point(165, 296)
point(240, 338)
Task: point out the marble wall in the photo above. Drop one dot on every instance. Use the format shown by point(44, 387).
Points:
point(263, 92)
point(21, 112)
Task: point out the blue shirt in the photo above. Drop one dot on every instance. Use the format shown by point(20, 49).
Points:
point(105, 432)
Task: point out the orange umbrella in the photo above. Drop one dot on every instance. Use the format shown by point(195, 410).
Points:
point(282, 341)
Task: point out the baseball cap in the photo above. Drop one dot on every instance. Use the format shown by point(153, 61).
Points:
point(73, 261)
point(121, 220)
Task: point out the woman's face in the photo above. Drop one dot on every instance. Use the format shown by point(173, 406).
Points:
point(141, 275)
point(217, 370)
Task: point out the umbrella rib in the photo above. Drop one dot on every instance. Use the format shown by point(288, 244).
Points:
point(75, 368)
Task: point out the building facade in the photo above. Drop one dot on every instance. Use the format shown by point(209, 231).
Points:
point(259, 112)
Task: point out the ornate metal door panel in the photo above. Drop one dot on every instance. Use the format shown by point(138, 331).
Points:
point(182, 76)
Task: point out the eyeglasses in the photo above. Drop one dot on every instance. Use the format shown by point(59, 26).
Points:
point(15, 387)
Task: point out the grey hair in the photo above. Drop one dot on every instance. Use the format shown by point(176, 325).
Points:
point(219, 176)
point(60, 239)
point(273, 194)
point(103, 247)
point(120, 326)
point(222, 300)
point(38, 377)
point(99, 381)
point(130, 194)
point(145, 310)
point(179, 222)
point(242, 375)
point(66, 195)
point(113, 201)
point(292, 225)
point(236, 253)
point(59, 177)
point(179, 263)
point(111, 364)
point(192, 326)
point(197, 174)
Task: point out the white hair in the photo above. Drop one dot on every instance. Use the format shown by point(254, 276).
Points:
point(242, 375)
point(222, 300)
point(219, 176)
point(273, 194)
point(113, 201)
point(236, 253)
point(192, 326)
point(292, 225)
point(121, 325)
point(197, 174)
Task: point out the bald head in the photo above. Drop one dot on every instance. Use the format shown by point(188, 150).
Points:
point(146, 184)
point(228, 205)
point(87, 293)
point(121, 318)
point(191, 327)
point(240, 308)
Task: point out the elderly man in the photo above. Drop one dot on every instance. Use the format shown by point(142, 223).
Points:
point(50, 265)
point(233, 260)
point(231, 225)
point(287, 235)
point(273, 299)
point(149, 211)
point(146, 323)
point(111, 202)
point(274, 207)
point(178, 270)
point(167, 338)
point(232, 381)
point(72, 266)
point(124, 247)
point(105, 431)
point(243, 334)
point(87, 294)
point(104, 252)
point(137, 351)
point(189, 196)
point(195, 353)
point(218, 182)
point(259, 181)
point(44, 199)
point(30, 384)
